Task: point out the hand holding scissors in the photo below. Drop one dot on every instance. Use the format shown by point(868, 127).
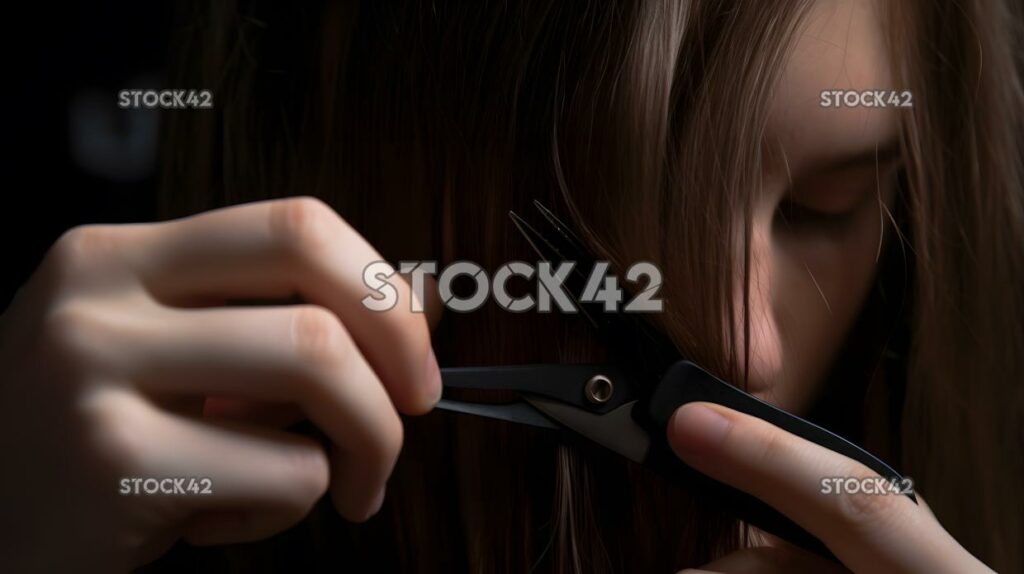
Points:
point(757, 462)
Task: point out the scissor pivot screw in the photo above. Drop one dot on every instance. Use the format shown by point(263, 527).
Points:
point(598, 389)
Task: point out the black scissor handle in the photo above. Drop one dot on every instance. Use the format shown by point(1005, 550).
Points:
point(685, 382)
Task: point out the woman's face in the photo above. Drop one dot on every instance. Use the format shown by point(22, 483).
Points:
point(818, 226)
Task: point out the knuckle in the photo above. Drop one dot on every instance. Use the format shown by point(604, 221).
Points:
point(391, 441)
point(318, 337)
point(384, 456)
point(312, 474)
point(116, 430)
point(865, 511)
point(66, 332)
point(82, 246)
point(303, 224)
point(383, 446)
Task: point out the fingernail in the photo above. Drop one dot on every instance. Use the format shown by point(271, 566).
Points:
point(697, 425)
point(433, 379)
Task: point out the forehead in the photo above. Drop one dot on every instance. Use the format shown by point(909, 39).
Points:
point(840, 46)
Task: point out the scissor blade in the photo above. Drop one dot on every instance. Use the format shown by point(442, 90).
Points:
point(520, 413)
point(548, 251)
point(630, 336)
point(615, 430)
point(569, 245)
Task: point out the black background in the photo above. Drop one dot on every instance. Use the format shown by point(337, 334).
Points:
point(54, 55)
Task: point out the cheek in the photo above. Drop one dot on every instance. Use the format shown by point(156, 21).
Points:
point(805, 295)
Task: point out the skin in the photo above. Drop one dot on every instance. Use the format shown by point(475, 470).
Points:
point(819, 222)
point(121, 361)
point(809, 281)
point(866, 532)
point(122, 358)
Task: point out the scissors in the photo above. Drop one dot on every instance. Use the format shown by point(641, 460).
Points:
point(624, 405)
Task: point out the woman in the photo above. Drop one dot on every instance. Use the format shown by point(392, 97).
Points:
point(857, 265)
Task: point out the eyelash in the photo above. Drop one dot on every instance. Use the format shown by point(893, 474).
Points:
point(797, 217)
point(800, 218)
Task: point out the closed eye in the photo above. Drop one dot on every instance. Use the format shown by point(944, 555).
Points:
point(794, 217)
point(830, 201)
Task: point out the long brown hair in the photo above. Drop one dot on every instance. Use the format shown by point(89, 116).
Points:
point(963, 420)
point(643, 120)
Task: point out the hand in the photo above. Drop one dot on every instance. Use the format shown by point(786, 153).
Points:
point(871, 533)
point(119, 358)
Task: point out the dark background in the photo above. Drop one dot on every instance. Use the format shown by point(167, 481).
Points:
point(70, 155)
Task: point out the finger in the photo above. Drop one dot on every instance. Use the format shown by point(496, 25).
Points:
point(433, 306)
point(189, 468)
point(300, 355)
point(865, 531)
point(275, 249)
point(265, 480)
